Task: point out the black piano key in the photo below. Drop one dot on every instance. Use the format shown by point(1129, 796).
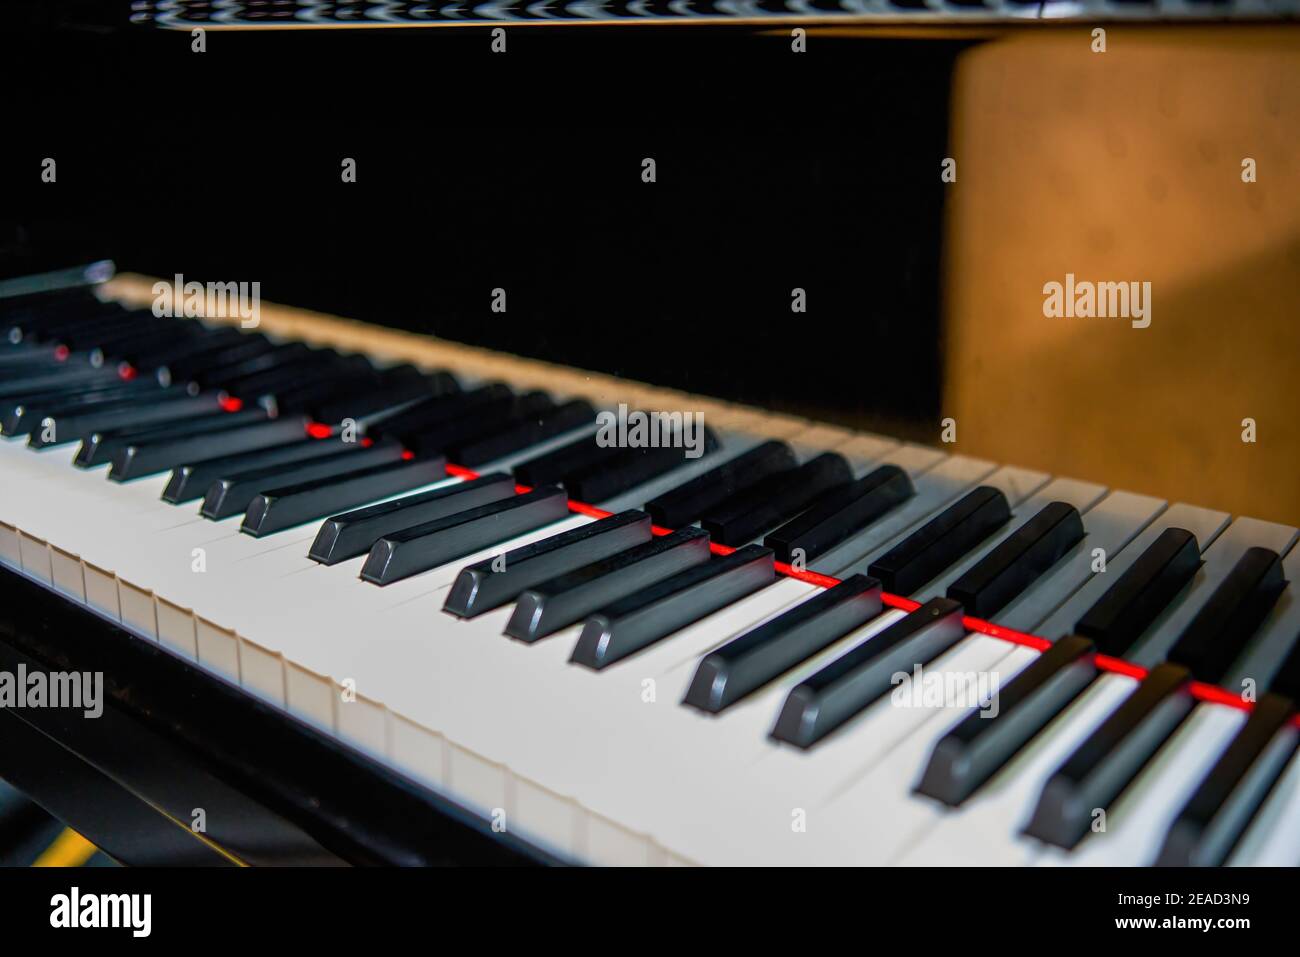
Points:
point(355, 533)
point(520, 435)
point(646, 616)
point(219, 355)
point(100, 447)
point(492, 582)
point(190, 481)
point(1219, 811)
point(427, 545)
point(19, 416)
point(824, 701)
point(82, 335)
point(231, 494)
point(1019, 560)
point(145, 457)
point(483, 421)
point(303, 395)
point(69, 378)
point(238, 365)
point(359, 385)
point(390, 398)
point(440, 409)
point(1145, 589)
point(24, 363)
point(942, 541)
point(25, 325)
point(775, 499)
point(294, 372)
point(203, 340)
point(630, 468)
point(1227, 621)
point(72, 425)
point(977, 748)
point(17, 355)
point(554, 466)
point(685, 504)
point(132, 339)
point(278, 509)
point(1108, 761)
point(568, 598)
point(840, 513)
point(764, 653)
point(15, 309)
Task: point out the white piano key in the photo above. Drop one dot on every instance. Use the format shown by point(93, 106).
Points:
point(1137, 822)
point(1273, 837)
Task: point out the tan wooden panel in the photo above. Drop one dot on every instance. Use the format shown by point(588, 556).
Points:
point(1126, 165)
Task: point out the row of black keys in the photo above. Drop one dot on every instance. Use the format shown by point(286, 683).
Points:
point(285, 480)
point(141, 427)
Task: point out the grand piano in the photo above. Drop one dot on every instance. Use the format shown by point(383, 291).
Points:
point(389, 567)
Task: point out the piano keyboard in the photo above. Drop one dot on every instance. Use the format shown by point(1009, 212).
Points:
point(629, 656)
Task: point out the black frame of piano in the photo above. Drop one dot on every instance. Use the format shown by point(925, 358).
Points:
point(274, 791)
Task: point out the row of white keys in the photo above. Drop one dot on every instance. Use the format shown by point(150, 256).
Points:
point(480, 666)
point(286, 615)
point(1139, 820)
point(986, 829)
point(547, 662)
point(262, 618)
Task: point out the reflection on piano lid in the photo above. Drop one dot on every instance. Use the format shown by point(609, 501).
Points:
point(622, 692)
point(317, 14)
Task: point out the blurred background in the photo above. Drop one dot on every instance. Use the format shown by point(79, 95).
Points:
point(775, 171)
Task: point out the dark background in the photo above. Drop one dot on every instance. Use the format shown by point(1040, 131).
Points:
point(522, 171)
